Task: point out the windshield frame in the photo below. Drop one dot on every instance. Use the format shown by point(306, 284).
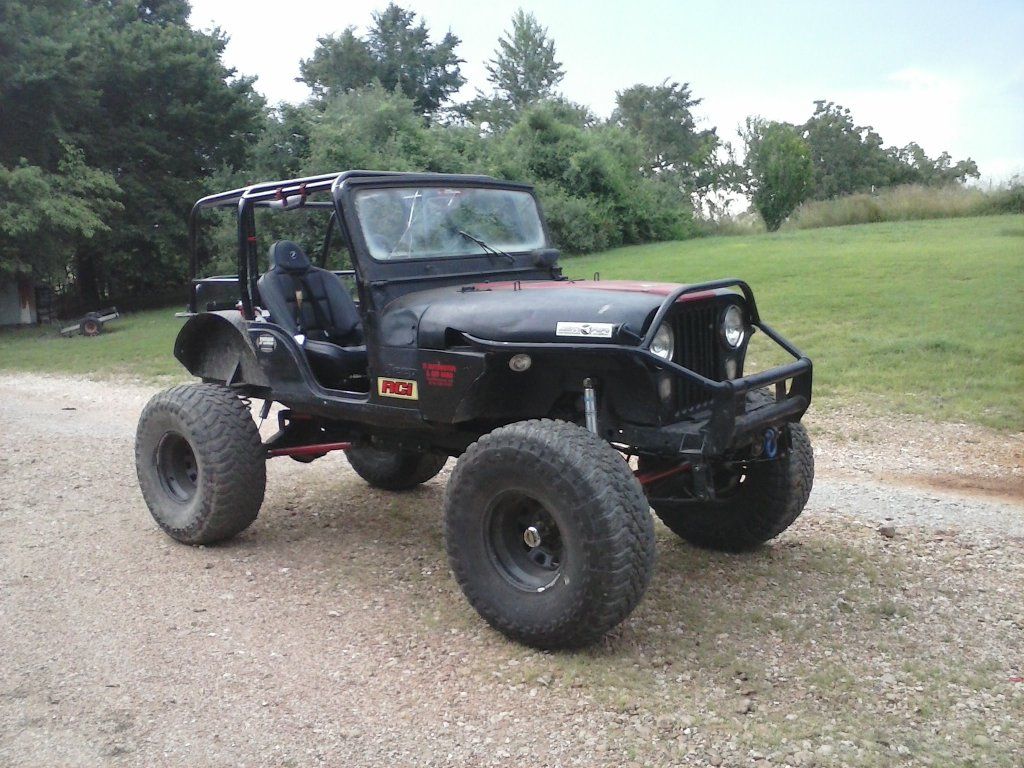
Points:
point(472, 263)
point(475, 248)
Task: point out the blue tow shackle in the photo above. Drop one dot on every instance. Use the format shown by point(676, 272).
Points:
point(771, 443)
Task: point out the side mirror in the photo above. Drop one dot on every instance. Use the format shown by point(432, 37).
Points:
point(545, 258)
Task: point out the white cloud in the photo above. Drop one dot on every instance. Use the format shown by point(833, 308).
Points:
point(913, 105)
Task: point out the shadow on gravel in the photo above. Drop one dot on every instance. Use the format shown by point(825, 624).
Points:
point(698, 600)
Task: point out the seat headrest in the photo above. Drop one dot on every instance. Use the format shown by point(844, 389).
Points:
point(287, 256)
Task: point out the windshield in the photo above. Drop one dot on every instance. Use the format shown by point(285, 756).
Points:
point(447, 222)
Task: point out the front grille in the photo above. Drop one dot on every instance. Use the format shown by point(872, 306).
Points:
point(697, 348)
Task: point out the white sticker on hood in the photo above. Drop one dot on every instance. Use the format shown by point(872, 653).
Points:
point(590, 330)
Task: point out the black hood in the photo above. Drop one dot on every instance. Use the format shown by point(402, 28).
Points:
point(606, 312)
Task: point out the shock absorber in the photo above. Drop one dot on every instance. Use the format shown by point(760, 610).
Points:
point(590, 404)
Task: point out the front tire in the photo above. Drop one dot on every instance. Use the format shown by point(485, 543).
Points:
point(392, 470)
point(768, 500)
point(201, 463)
point(548, 533)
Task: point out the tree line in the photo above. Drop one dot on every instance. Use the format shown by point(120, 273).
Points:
point(116, 116)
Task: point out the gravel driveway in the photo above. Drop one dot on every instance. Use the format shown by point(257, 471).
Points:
point(331, 633)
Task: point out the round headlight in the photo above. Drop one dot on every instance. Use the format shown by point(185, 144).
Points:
point(664, 342)
point(733, 329)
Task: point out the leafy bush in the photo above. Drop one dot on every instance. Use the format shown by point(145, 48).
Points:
point(589, 182)
point(576, 224)
point(1008, 199)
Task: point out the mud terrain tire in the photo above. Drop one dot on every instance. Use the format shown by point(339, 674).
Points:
point(537, 484)
point(201, 464)
point(766, 503)
point(394, 470)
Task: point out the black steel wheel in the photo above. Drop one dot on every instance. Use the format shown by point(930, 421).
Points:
point(524, 540)
point(91, 326)
point(548, 532)
point(176, 467)
point(201, 463)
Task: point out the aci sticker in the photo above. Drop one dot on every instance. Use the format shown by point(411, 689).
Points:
point(401, 388)
point(589, 330)
point(439, 374)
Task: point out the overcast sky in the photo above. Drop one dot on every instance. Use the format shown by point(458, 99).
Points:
point(949, 75)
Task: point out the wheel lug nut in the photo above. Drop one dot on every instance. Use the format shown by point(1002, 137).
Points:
point(532, 537)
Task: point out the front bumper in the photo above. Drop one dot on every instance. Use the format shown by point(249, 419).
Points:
point(727, 424)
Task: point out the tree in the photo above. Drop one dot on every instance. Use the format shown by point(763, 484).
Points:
point(168, 116)
point(675, 149)
point(43, 215)
point(339, 64)
point(850, 158)
point(141, 110)
point(781, 173)
point(847, 157)
point(662, 115)
point(523, 72)
point(42, 61)
point(282, 149)
point(373, 128)
point(396, 52)
point(911, 165)
point(524, 69)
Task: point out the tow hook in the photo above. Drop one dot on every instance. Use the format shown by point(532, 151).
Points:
point(771, 443)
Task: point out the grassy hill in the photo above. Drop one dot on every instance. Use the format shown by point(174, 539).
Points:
point(925, 316)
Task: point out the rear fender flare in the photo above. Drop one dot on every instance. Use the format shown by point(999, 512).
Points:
point(215, 346)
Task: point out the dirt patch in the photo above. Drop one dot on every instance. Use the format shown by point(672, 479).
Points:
point(906, 449)
point(1008, 488)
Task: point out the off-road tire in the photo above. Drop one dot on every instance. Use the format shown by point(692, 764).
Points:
point(604, 527)
point(766, 503)
point(394, 470)
point(229, 459)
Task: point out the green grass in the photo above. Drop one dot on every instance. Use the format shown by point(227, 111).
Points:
point(925, 317)
point(137, 345)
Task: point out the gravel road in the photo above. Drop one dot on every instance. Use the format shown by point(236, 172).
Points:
point(330, 633)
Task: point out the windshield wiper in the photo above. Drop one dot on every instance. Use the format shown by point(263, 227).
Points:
point(486, 247)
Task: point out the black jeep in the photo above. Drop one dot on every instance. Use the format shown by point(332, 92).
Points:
point(455, 334)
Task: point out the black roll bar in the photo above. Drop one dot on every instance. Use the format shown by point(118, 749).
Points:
point(279, 195)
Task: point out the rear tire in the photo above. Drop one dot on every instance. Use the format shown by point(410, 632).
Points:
point(393, 470)
point(201, 463)
point(766, 503)
point(548, 532)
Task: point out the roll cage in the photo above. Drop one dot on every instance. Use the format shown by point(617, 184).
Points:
point(292, 194)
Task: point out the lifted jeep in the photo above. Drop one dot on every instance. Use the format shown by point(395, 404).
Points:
point(464, 339)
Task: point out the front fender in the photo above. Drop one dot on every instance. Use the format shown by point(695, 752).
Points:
point(215, 347)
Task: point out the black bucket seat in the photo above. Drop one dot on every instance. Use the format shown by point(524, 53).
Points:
point(313, 304)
